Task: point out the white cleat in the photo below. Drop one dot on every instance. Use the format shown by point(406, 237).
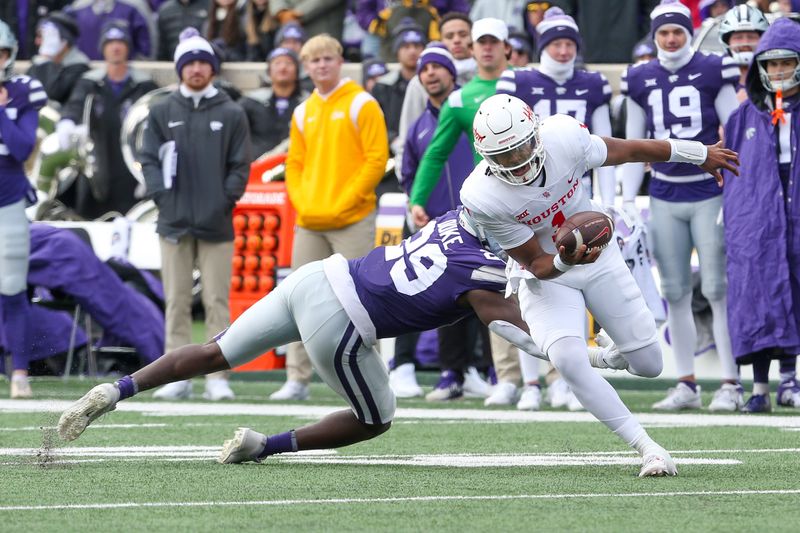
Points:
point(95, 403)
point(291, 390)
point(218, 389)
point(530, 399)
point(177, 390)
point(729, 397)
point(403, 382)
point(504, 393)
point(558, 393)
point(658, 463)
point(245, 446)
point(21, 388)
point(474, 385)
point(573, 403)
point(680, 397)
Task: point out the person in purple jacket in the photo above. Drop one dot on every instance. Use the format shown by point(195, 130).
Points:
point(92, 15)
point(340, 309)
point(684, 95)
point(762, 235)
point(21, 97)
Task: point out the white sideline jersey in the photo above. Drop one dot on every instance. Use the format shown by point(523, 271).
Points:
point(513, 214)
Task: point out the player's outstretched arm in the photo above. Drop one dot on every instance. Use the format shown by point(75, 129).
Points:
point(534, 259)
point(710, 158)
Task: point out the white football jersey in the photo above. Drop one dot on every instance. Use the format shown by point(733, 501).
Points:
point(513, 214)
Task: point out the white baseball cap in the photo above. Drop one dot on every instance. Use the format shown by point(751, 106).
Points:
point(489, 26)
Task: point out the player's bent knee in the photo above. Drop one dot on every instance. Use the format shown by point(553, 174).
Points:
point(673, 292)
point(646, 362)
point(377, 429)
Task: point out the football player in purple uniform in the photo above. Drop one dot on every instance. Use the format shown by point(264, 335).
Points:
point(21, 97)
point(339, 309)
point(684, 95)
point(739, 32)
point(557, 87)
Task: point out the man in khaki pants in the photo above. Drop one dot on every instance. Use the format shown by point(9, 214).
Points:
point(338, 148)
point(196, 160)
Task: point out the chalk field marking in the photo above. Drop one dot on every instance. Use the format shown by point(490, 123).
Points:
point(482, 415)
point(418, 499)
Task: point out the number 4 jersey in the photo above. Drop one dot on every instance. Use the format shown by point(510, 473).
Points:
point(415, 285)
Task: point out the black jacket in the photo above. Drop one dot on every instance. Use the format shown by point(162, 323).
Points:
point(173, 17)
point(59, 79)
point(269, 119)
point(36, 11)
point(389, 91)
point(212, 143)
point(112, 188)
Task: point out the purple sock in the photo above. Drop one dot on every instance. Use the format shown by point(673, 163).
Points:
point(691, 384)
point(280, 443)
point(761, 370)
point(16, 318)
point(127, 387)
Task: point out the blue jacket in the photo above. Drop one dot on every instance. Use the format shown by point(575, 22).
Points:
point(445, 195)
point(91, 18)
point(762, 228)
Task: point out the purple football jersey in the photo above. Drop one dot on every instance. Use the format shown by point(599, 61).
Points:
point(414, 286)
point(680, 105)
point(578, 97)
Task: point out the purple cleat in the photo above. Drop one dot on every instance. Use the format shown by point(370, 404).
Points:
point(758, 403)
point(449, 387)
point(788, 394)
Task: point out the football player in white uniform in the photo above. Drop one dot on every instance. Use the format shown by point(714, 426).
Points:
point(525, 188)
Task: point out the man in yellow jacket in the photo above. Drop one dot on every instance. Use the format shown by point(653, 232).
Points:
point(338, 148)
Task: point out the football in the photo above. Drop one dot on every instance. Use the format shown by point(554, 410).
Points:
point(592, 228)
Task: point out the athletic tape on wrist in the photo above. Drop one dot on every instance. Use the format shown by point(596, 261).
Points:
point(682, 151)
point(560, 265)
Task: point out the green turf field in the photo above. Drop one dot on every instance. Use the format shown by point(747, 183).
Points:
point(149, 466)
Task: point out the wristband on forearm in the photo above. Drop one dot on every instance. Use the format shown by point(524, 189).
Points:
point(682, 151)
point(560, 265)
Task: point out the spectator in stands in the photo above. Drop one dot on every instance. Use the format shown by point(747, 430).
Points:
point(455, 30)
point(714, 8)
point(315, 16)
point(20, 101)
point(269, 109)
point(610, 28)
point(331, 174)
point(371, 70)
point(224, 30)
point(531, 17)
point(789, 6)
point(259, 27)
point(520, 50)
point(24, 17)
point(59, 64)
point(509, 11)
point(173, 17)
point(760, 221)
point(105, 94)
point(390, 89)
point(92, 15)
point(196, 159)
point(373, 14)
point(437, 73)
point(382, 19)
point(292, 36)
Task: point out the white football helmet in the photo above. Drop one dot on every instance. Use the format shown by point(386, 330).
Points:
point(506, 132)
point(785, 81)
point(742, 18)
point(7, 42)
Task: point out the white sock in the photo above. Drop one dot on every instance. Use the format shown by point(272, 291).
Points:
point(683, 334)
point(529, 366)
point(722, 339)
point(760, 388)
point(570, 357)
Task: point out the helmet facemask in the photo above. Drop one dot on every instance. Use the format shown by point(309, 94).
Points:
point(783, 81)
point(8, 43)
point(520, 164)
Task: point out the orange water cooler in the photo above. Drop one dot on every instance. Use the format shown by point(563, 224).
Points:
point(263, 223)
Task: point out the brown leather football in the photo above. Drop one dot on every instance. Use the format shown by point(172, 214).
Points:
point(592, 228)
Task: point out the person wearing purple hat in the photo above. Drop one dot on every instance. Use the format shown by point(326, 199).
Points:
point(710, 9)
point(104, 95)
point(196, 160)
point(764, 310)
point(269, 109)
point(372, 69)
point(290, 36)
point(390, 89)
point(685, 96)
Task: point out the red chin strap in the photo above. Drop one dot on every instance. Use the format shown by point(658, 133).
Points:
point(778, 115)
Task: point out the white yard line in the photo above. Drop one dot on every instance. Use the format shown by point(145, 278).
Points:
point(409, 499)
point(480, 415)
